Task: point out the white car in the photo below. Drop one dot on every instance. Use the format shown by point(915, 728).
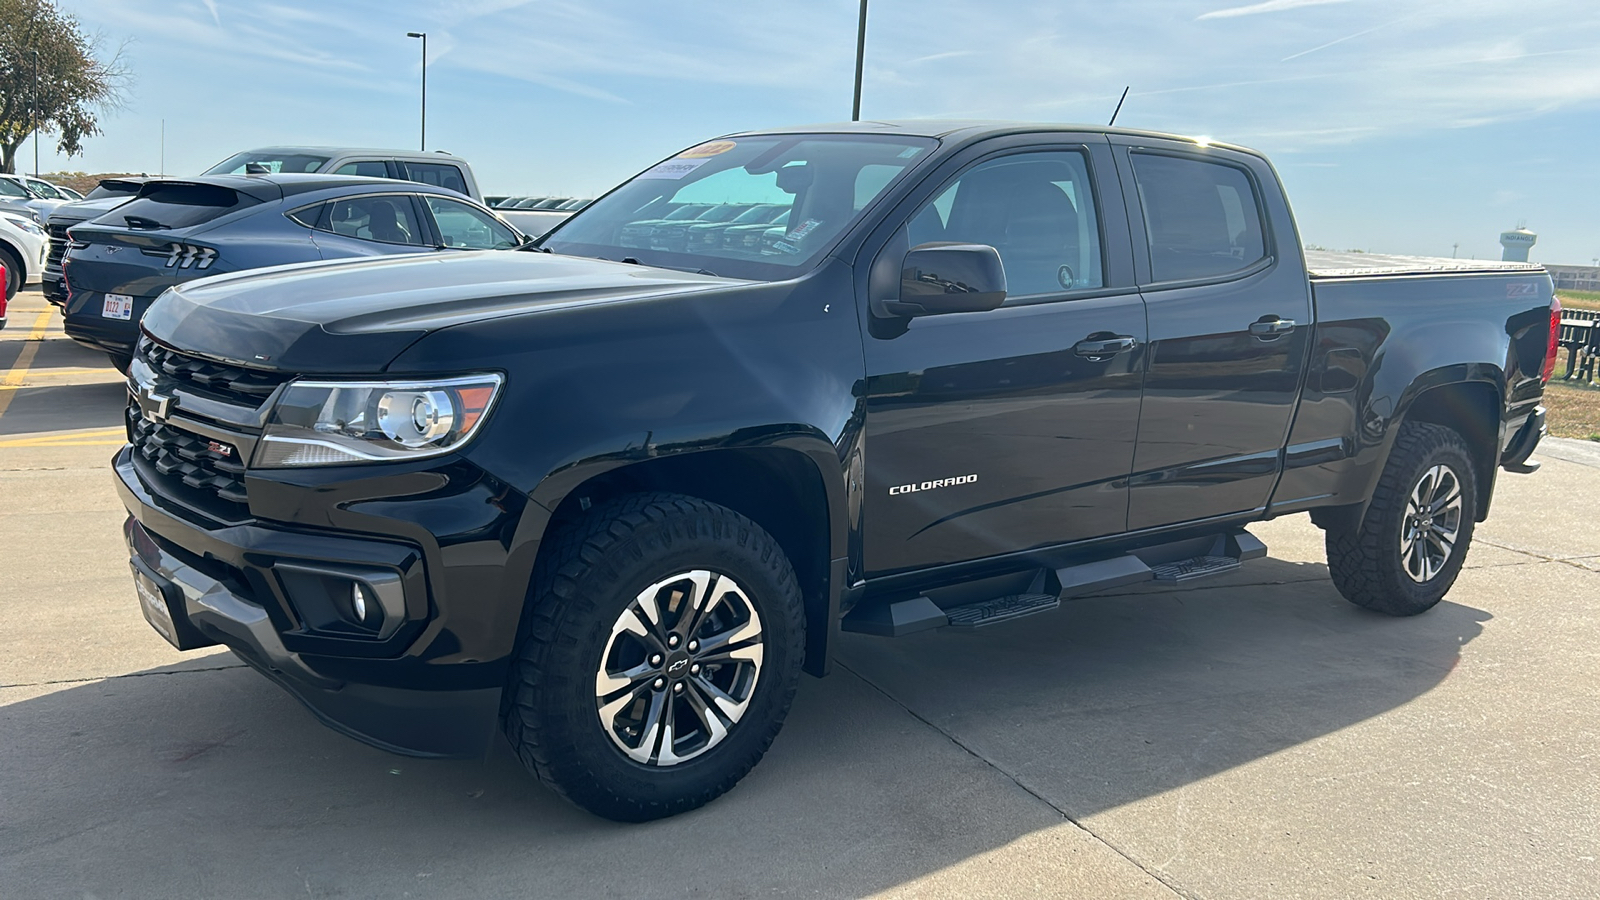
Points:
point(23, 248)
point(38, 194)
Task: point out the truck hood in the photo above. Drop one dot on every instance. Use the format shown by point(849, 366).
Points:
point(356, 316)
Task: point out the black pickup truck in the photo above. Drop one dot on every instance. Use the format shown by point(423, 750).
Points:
point(612, 498)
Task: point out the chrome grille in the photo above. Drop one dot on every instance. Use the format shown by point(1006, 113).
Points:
point(58, 246)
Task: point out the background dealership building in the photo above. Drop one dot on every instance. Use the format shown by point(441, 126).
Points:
point(1575, 278)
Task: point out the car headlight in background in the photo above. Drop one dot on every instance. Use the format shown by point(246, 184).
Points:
point(26, 224)
point(328, 423)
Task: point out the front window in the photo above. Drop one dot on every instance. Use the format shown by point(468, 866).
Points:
point(275, 161)
point(466, 228)
point(813, 187)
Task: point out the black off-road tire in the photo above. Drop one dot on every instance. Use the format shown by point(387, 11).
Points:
point(15, 273)
point(1366, 561)
point(595, 569)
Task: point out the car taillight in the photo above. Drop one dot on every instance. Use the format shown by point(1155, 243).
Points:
point(186, 255)
point(4, 283)
point(1554, 345)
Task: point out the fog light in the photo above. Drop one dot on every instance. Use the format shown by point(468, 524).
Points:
point(358, 601)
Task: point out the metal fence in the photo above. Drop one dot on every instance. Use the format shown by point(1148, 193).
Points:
point(1580, 335)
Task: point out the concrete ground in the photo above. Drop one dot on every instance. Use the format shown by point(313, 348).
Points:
point(1253, 737)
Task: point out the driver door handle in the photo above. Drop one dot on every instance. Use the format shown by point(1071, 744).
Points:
point(1097, 347)
point(1271, 327)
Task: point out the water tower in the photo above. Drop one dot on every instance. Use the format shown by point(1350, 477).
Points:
point(1517, 242)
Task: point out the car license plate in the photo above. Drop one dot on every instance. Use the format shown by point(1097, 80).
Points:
point(117, 306)
point(153, 602)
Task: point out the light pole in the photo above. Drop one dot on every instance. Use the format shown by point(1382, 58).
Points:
point(35, 113)
point(424, 36)
point(861, 53)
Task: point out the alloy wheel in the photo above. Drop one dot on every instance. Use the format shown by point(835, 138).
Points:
point(1432, 524)
point(680, 668)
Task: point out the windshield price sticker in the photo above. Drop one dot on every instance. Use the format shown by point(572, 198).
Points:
point(117, 306)
point(708, 149)
point(672, 168)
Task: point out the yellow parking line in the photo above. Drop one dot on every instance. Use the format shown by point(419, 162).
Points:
point(25, 358)
point(96, 438)
point(29, 442)
point(73, 371)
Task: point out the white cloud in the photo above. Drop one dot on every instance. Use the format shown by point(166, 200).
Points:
point(1270, 6)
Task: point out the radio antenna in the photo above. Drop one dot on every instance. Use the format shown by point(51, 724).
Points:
point(1119, 107)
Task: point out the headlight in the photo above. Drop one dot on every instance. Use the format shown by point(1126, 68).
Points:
point(26, 224)
point(329, 423)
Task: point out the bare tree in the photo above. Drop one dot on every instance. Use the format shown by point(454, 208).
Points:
point(51, 78)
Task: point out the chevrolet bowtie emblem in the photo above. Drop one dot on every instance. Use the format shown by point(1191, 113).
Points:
point(153, 406)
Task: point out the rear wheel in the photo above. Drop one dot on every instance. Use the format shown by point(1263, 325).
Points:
point(121, 361)
point(662, 653)
point(1409, 547)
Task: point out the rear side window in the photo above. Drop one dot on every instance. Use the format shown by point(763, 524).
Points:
point(437, 174)
point(9, 188)
point(1202, 218)
point(370, 168)
point(179, 205)
point(387, 219)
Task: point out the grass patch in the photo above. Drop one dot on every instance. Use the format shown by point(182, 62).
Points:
point(1579, 299)
point(1572, 409)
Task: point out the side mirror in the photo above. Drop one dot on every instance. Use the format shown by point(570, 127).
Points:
point(944, 277)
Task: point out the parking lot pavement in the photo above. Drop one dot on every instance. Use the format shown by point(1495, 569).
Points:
point(1253, 736)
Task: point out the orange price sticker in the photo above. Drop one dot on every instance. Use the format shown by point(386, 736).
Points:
point(711, 149)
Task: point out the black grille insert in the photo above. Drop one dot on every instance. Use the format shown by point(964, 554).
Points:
point(187, 467)
point(233, 384)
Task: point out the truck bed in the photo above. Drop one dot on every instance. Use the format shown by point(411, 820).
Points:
point(1326, 265)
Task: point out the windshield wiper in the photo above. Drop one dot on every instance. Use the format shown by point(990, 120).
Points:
point(142, 222)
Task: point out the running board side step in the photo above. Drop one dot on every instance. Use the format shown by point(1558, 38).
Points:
point(1024, 594)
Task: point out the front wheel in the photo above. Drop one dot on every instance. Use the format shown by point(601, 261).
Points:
point(1409, 547)
point(662, 654)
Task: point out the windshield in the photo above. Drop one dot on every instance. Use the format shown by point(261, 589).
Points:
point(820, 182)
point(9, 188)
point(275, 160)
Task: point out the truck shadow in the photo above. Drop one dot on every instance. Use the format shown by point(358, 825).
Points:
point(149, 785)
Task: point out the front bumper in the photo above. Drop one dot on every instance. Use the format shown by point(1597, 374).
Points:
point(402, 694)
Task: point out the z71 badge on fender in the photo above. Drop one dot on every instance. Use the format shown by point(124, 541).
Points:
point(937, 483)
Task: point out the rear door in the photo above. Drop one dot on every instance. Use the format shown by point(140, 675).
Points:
point(1230, 321)
point(992, 432)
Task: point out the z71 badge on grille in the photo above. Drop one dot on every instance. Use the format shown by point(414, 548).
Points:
point(220, 449)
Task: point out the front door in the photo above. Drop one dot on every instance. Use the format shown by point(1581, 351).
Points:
point(1230, 322)
point(993, 432)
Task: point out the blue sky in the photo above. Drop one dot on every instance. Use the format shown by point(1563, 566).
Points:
point(1403, 126)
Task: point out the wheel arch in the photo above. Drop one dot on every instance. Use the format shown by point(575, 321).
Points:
point(1471, 407)
point(785, 486)
point(13, 254)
